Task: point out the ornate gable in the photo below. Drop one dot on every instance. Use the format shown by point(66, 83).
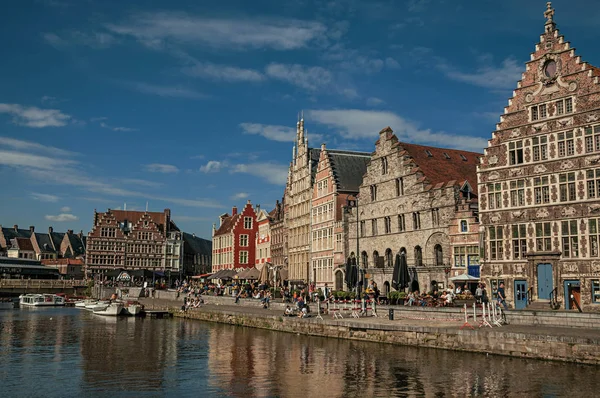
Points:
point(556, 90)
point(106, 221)
point(146, 224)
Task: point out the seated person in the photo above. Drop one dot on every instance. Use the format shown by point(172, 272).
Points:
point(303, 313)
point(288, 311)
point(449, 299)
point(411, 299)
point(443, 298)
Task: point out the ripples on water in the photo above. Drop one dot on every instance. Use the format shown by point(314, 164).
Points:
point(66, 352)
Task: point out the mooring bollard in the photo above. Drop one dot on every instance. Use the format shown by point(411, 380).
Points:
point(391, 314)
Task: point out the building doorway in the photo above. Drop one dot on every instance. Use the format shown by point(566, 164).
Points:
point(339, 281)
point(544, 281)
point(572, 294)
point(520, 294)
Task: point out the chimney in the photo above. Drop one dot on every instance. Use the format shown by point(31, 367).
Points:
point(31, 228)
point(70, 231)
point(257, 209)
point(193, 234)
point(233, 211)
point(16, 227)
point(81, 234)
point(50, 230)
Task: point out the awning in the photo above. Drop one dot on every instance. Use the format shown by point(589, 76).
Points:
point(249, 274)
point(463, 278)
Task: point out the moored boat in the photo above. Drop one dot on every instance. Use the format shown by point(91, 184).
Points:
point(133, 309)
point(112, 309)
point(7, 303)
point(84, 303)
point(41, 300)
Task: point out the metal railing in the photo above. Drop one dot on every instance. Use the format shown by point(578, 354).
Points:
point(40, 283)
point(529, 295)
point(576, 303)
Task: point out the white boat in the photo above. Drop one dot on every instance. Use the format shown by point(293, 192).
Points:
point(133, 309)
point(91, 306)
point(41, 300)
point(84, 303)
point(112, 309)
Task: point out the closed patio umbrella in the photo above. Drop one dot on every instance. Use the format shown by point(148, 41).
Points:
point(396, 273)
point(404, 277)
point(348, 273)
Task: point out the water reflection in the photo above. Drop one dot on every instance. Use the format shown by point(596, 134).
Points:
point(69, 352)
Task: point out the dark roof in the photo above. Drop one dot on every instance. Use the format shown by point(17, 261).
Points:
point(44, 242)
point(457, 167)
point(228, 224)
point(10, 233)
point(348, 168)
point(196, 244)
point(134, 216)
point(76, 244)
point(314, 155)
point(57, 238)
point(22, 243)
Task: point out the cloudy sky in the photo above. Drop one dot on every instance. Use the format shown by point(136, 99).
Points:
point(192, 105)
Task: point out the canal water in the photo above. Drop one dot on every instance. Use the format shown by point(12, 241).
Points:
point(66, 352)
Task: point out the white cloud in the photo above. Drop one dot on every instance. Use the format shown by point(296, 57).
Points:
point(240, 195)
point(365, 124)
point(65, 209)
point(161, 168)
point(64, 217)
point(34, 147)
point(213, 166)
point(121, 129)
point(154, 29)
point(374, 101)
point(309, 78)
point(44, 197)
point(223, 72)
point(94, 40)
point(275, 132)
point(35, 117)
point(270, 172)
point(167, 91)
point(504, 76)
point(143, 183)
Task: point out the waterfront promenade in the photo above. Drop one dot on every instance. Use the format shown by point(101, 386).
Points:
point(414, 327)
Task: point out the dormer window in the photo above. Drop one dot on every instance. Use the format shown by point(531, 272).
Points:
point(463, 158)
point(428, 152)
point(446, 156)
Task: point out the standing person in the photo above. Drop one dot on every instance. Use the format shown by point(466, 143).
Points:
point(502, 296)
point(478, 293)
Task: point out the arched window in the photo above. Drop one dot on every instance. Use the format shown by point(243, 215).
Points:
point(464, 227)
point(418, 256)
point(339, 281)
point(439, 255)
point(389, 258)
point(386, 288)
point(403, 251)
point(364, 258)
point(375, 259)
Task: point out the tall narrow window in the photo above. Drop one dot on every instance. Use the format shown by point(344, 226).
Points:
point(543, 112)
point(374, 227)
point(399, 186)
point(567, 187)
point(418, 256)
point(388, 224)
point(464, 227)
point(495, 196)
point(566, 144)
point(416, 220)
point(592, 139)
point(384, 165)
point(519, 238)
point(540, 148)
point(517, 193)
point(543, 237)
point(496, 239)
point(373, 192)
point(364, 259)
point(439, 255)
point(570, 241)
point(435, 217)
point(401, 223)
point(593, 183)
point(594, 225)
point(541, 190)
point(362, 229)
point(389, 258)
point(534, 113)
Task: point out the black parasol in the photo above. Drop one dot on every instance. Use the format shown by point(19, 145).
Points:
point(396, 274)
point(404, 277)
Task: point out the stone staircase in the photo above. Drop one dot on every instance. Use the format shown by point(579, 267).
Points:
point(539, 305)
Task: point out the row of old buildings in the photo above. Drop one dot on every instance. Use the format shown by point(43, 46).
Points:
point(525, 212)
point(119, 240)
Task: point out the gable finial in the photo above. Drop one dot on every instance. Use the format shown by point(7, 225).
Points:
point(549, 13)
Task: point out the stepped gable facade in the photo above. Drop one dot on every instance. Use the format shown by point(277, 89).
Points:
point(234, 240)
point(263, 239)
point(540, 181)
point(337, 178)
point(408, 199)
point(8, 234)
point(134, 240)
point(278, 235)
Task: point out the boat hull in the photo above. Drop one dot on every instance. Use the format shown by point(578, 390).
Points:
point(41, 300)
point(113, 309)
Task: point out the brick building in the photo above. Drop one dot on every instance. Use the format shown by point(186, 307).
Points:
point(133, 240)
point(409, 197)
point(234, 240)
point(338, 176)
point(45, 246)
point(540, 181)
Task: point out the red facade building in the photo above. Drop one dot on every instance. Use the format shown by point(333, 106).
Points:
point(234, 240)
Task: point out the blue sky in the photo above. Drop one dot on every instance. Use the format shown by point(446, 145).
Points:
point(192, 105)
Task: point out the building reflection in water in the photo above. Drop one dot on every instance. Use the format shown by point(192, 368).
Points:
point(74, 353)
